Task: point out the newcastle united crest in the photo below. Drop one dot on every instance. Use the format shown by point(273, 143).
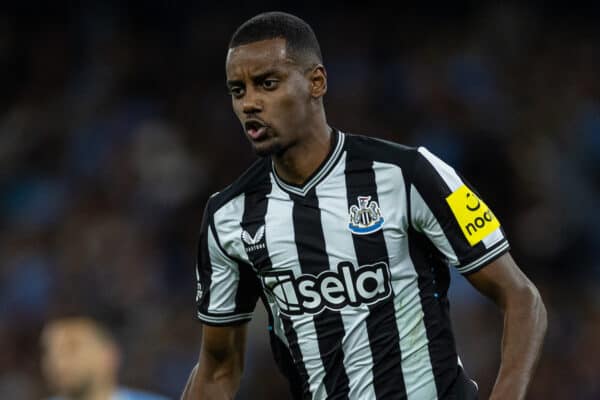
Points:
point(365, 217)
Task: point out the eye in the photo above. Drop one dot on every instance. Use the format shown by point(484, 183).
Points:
point(270, 84)
point(236, 91)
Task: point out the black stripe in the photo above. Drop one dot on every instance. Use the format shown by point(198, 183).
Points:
point(249, 290)
point(433, 281)
point(384, 341)
point(297, 380)
point(255, 210)
point(310, 242)
point(253, 219)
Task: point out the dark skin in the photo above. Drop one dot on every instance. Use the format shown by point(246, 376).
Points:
point(278, 100)
point(525, 323)
point(285, 94)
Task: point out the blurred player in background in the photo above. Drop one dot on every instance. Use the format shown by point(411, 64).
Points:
point(348, 240)
point(80, 361)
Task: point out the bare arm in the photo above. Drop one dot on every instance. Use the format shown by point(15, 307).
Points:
point(524, 324)
point(219, 370)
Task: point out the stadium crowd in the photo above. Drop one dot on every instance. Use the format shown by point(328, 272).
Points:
point(115, 127)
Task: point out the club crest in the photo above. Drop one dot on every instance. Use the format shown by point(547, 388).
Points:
point(365, 217)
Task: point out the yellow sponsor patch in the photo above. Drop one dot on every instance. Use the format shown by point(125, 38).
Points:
point(474, 217)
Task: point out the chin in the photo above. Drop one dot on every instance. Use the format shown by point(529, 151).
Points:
point(267, 149)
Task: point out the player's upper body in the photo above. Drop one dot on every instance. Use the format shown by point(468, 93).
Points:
point(354, 266)
point(80, 361)
point(348, 241)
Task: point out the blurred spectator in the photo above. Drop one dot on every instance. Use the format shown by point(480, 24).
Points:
point(81, 360)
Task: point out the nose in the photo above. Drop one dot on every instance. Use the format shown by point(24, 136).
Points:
point(252, 102)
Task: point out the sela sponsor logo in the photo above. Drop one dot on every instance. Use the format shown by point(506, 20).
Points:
point(255, 242)
point(476, 220)
point(309, 294)
point(365, 217)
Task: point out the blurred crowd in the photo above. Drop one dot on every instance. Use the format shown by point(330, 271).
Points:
point(115, 127)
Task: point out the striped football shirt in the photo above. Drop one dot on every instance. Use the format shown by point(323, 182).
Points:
point(352, 266)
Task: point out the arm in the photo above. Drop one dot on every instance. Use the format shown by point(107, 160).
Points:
point(219, 370)
point(524, 324)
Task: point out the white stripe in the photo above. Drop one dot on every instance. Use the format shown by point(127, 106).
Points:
point(358, 361)
point(492, 238)
point(227, 223)
point(224, 279)
point(324, 170)
point(447, 173)
point(424, 221)
point(483, 259)
point(417, 369)
point(281, 244)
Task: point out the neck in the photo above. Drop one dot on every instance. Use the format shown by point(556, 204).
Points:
point(302, 159)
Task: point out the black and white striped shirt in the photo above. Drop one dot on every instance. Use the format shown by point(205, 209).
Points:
point(353, 267)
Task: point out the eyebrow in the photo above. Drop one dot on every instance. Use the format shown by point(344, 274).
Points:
point(257, 77)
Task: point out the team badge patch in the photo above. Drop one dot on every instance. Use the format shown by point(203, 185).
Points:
point(365, 217)
point(476, 220)
point(255, 242)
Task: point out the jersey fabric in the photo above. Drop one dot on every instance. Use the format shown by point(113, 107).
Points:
point(353, 267)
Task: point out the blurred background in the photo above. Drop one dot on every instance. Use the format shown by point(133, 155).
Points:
point(115, 127)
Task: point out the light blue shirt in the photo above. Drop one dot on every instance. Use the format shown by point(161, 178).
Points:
point(123, 393)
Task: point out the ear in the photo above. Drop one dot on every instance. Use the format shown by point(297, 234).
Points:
point(112, 357)
point(318, 81)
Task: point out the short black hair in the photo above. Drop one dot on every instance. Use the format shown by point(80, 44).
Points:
point(301, 41)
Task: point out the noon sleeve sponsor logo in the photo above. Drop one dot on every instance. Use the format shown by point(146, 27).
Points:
point(475, 218)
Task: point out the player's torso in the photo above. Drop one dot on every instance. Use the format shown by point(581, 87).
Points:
point(340, 244)
point(332, 248)
point(335, 267)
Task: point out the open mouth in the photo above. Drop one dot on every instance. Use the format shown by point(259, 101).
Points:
point(255, 129)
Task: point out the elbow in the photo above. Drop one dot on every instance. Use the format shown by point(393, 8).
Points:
point(226, 364)
point(529, 298)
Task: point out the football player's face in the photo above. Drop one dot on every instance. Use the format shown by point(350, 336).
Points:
point(270, 94)
point(72, 357)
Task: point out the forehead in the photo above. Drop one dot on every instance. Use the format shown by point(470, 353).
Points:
point(70, 332)
point(257, 56)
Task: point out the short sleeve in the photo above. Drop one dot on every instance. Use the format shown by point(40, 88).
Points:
point(445, 208)
point(227, 290)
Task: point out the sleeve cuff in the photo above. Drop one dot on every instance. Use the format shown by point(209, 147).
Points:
point(485, 259)
point(223, 320)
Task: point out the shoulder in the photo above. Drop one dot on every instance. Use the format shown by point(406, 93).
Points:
point(416, 162)
point(379, 149)
point(373, 149)
point(253, 179)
